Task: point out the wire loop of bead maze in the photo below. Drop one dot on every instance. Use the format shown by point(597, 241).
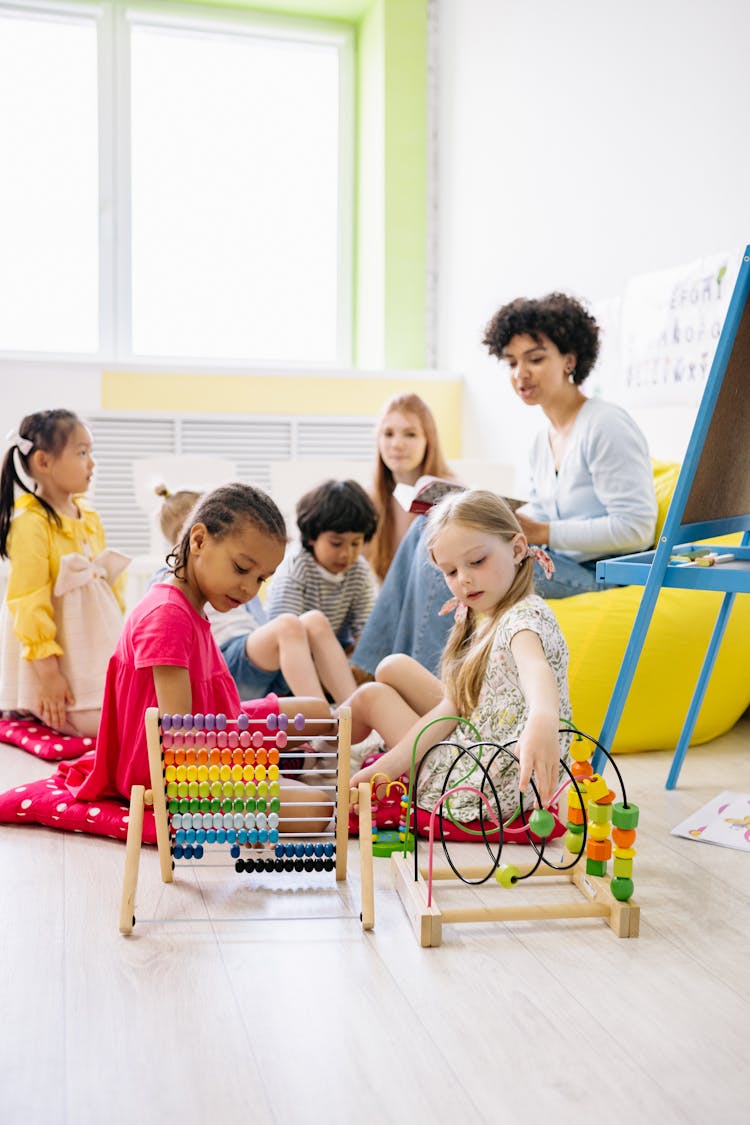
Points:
point(216, 784)
point(598, 828)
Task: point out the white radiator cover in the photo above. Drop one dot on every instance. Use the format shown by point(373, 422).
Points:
point(252, 442)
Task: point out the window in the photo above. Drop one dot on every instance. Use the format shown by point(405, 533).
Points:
point(49, 210)
point(222, 228)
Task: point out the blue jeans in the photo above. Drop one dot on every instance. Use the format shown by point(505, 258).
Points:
point(405, 615)
point(569, 578)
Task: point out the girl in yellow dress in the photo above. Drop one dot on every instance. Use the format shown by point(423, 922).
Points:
point(64, 605)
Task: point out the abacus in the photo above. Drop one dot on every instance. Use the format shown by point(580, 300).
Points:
point(216, 791)
point(598, 827)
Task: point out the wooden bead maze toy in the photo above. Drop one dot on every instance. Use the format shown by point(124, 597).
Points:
point(389, 805)
point(598, 828)
point(216, 792)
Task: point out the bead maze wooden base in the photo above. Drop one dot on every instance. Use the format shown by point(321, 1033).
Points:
point(598, 829)
point(596, 901)
point(206, 796)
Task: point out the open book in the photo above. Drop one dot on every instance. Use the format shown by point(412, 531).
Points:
point(419, 498)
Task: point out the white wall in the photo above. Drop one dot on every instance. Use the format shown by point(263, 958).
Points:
point(580, 143)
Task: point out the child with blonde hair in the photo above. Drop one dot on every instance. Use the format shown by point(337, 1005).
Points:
point(504, 669)
point(64, 604)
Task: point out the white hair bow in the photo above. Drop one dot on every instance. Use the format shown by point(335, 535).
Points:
point(23, 444)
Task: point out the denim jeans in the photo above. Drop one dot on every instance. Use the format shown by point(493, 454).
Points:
point(569, 578)
point(405, 615)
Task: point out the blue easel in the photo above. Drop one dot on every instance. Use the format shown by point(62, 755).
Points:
point(711, 498)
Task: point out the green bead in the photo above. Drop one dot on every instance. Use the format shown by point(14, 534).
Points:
point(625, 816)
point(542, 823)
point(573, 842)
point(622, 868)
point(599, 814)
point(622, 889)
point(576, 829)
point(507, 875)
point(596, 867)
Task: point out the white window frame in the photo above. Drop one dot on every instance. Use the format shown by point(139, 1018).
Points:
point(113, 19)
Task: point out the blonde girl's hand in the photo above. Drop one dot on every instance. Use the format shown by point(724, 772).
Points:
point(539, 754)
point(538, 745)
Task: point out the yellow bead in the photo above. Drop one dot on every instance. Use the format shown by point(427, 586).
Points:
point(624, 853)
point(580, 751)
point(599, 831)
point(507, 875)
point(596, 787)
point(622, 868)
point(213, 773)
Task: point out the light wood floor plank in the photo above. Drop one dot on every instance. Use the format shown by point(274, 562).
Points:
point(296, 1016)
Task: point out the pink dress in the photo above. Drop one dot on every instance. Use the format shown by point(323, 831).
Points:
point(163, 629)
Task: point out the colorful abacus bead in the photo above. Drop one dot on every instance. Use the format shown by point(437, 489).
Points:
point(299, 721)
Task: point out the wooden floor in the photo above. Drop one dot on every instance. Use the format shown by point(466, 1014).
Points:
point(297, 1016)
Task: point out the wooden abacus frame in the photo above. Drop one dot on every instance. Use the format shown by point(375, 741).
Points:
point(155, 797)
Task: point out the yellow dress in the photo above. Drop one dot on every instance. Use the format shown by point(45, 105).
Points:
point(64, 598)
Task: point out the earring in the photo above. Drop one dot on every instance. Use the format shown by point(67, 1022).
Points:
point(572, 376)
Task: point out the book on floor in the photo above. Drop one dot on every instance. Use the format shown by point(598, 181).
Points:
point(724, 821)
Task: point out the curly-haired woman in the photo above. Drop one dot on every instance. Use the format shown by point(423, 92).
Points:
point(592, 490)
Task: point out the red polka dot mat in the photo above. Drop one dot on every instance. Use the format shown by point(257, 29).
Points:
point(33, 737)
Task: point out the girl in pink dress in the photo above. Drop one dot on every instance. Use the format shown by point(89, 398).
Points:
point(167, 657)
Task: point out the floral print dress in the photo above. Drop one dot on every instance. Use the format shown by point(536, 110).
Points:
point(499, 717)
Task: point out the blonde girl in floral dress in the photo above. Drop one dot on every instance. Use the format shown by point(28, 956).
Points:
point(504, 669)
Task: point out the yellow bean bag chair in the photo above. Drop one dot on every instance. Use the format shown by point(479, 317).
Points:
point(597, 627)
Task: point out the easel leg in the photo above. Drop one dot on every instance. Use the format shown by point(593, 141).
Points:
point(700, 690)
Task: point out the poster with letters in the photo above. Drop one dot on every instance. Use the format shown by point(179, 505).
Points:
point(671, 323)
